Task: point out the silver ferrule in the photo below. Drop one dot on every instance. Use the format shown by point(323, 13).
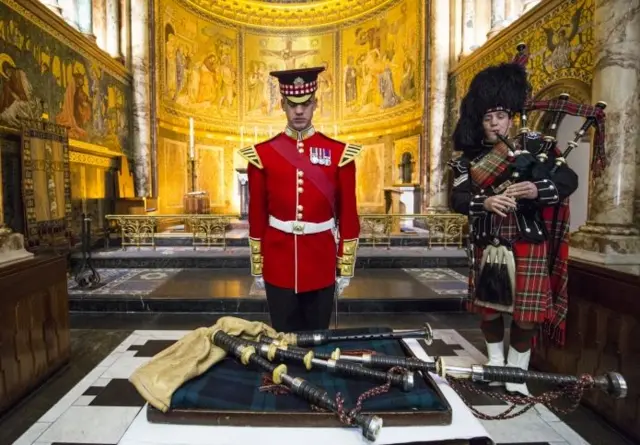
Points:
point(317, 339)
point(477, 373)
point(459, 370)
point(371, 430)
point(292, 382)
point(331, 365)
point(365, 358)
point(264, 348)
point(408, 381)
point(319, 362)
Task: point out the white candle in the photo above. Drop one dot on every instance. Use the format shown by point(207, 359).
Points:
point(192, 141)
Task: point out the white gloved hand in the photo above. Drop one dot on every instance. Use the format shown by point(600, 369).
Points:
point(341, 284)
point(259, 282)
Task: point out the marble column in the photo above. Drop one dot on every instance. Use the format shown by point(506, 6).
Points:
point(609, 235)
point(141, 97)
point(113, 29)
point(528, 5)
point(53, 5)
point(437, 199)
point(498, 15)
point(70, 12)
point(468, 26)
point(100, 23)
point(125, 31)
point(513, 11)
point(85, 18)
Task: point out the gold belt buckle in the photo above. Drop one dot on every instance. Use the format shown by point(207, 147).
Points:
point(298, 228)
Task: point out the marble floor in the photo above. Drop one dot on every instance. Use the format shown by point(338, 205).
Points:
point(91, 400)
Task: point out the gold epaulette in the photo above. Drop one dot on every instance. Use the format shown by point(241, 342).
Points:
point(251, 155)
point(351, 151)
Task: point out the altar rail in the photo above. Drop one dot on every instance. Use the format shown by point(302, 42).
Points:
point(441, 229)
point(142, 230)
point(377, 230)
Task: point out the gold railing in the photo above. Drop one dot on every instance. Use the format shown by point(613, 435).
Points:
point(443, 229)
point(376, 230)
point(142, 230)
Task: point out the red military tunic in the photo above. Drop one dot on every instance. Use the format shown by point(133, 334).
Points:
point(279, 189)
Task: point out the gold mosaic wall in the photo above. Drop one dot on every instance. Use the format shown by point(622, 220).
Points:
point(213, 63)
point(559, 35)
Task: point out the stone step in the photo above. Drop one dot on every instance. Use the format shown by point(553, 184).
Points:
point(238, 257)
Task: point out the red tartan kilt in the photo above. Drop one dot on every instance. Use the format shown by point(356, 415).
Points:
point(533, 299)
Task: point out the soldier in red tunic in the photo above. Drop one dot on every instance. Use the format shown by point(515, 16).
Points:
point(303, 220)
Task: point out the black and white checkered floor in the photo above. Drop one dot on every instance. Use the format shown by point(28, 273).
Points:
point(103, 405)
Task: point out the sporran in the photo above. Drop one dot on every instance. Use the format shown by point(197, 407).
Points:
point(496, 284)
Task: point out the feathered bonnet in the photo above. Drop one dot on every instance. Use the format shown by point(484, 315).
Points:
point(502, 87)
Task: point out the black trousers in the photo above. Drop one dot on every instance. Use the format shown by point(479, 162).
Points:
point(305, 311)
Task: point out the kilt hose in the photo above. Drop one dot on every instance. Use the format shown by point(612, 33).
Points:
point(305, 311)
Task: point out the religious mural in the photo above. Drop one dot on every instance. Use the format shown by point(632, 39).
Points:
point(215, 68)
point(266, 53)
point(218, 71)
point(380, 60)
point(40, 74)
point(199, 65)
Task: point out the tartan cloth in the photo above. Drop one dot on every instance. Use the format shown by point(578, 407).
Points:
point(484, 171)
point(230, 386)
point(599, 161)
point(540, 294)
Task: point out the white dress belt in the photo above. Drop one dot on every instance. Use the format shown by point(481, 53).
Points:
point(301, 227)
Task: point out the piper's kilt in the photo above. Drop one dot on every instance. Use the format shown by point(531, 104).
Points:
point(533, 299)
point(231, 386)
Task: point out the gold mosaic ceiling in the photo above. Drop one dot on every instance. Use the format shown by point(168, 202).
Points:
point(289, 13)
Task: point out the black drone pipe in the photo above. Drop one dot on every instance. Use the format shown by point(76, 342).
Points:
point(324, 337)
point(405, 381)
point(370, 425)
point(611, 383)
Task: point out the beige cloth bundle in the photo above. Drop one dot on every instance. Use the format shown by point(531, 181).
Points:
point(191, 356)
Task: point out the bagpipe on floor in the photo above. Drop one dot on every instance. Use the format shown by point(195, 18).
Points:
point(257, 346)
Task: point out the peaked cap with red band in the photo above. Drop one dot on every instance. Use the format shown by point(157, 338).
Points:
point(298, 85)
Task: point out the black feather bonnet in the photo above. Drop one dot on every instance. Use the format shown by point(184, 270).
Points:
point(501, 87)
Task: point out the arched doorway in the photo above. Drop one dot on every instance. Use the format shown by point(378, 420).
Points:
point(580, 158)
